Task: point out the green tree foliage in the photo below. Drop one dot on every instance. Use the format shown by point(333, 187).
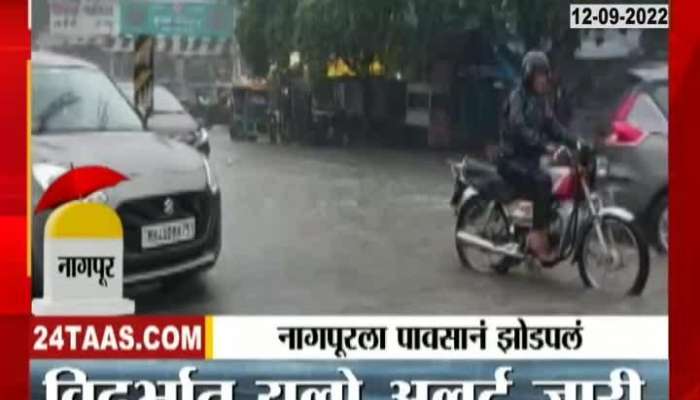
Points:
point(355, 30)
point(251, 34)
point(400, 32)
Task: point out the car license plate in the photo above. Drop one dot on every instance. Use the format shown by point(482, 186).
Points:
point(167, 233)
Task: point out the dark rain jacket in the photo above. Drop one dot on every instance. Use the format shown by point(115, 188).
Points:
point(530, 124)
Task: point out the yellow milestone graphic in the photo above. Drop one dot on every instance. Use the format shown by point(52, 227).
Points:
point(83, 262)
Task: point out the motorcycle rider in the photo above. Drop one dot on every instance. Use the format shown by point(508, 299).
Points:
point(530, 125)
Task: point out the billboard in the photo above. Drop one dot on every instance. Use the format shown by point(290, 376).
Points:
point(83, 18)
point(196, 19)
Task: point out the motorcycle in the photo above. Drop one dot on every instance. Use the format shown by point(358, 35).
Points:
point(602, 240)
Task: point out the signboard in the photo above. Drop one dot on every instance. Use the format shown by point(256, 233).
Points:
point(181, 18)
point(83, 18)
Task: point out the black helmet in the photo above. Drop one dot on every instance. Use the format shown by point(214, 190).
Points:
point(534, 61)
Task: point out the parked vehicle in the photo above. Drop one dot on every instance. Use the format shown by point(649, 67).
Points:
point(198, 100)
point(211, 103)
point(250, 113)
point(636, 145)
point(170, 118)
point(170, 207)
point(492, 224)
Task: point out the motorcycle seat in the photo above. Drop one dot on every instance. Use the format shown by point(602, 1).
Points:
point(495, 187)
point(486, 179)
point(474, 167)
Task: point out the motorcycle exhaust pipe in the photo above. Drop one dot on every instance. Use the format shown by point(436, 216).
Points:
point(469, 239)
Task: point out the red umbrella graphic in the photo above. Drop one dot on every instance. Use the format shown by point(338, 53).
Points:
point(77, 184)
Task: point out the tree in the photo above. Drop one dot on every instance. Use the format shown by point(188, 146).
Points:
point(430, 18)
point(400, 32)
point(354, 30)
point(251, 36)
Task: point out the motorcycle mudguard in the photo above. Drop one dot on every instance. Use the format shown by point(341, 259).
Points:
point(611, 211)
point(618, 212)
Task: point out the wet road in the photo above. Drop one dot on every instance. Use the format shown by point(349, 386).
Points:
point(360, 231)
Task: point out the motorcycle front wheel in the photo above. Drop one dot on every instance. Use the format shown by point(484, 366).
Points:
point(486, 219)
point(614, 257)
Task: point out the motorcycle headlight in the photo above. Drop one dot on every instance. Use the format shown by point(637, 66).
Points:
point(602, 167)
point(45, 174)
point(211, 177)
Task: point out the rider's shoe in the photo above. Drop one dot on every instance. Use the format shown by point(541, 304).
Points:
point(538, 246)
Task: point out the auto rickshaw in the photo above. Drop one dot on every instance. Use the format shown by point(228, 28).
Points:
point(250, 114)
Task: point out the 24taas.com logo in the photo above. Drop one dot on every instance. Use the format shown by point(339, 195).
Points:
point(81, 337)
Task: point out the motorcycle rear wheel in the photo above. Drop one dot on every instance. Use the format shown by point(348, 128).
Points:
point(474, 217)
point(627, 248)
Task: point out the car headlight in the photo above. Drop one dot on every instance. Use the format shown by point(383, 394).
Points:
point(97, 197)
point(45, 174)
point(195, 138)
point(211, 177)
point(202, 136)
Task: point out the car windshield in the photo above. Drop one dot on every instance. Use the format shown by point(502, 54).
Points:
point(163, 100)
point(660, 94)
point(75, 99)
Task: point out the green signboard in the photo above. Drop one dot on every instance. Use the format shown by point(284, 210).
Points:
point(181, 18)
